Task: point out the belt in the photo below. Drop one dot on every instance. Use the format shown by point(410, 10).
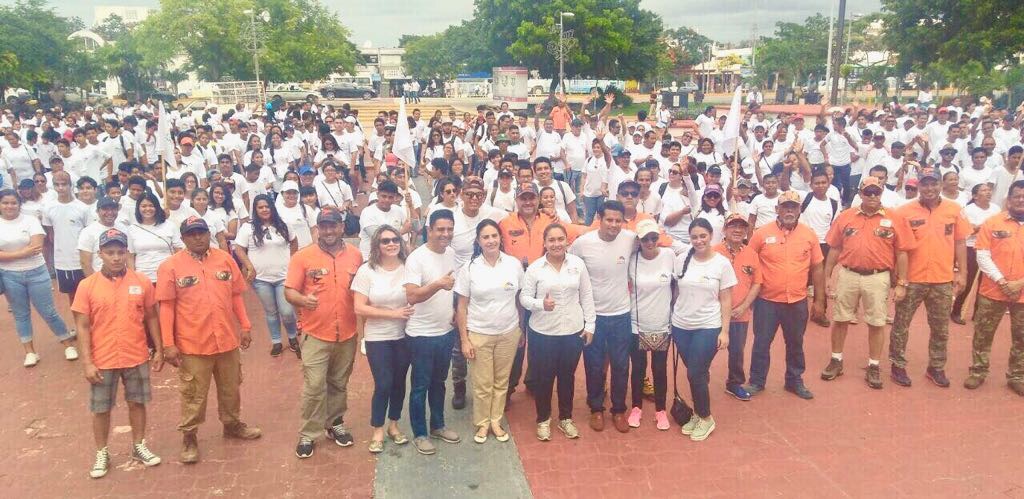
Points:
point(865, 271)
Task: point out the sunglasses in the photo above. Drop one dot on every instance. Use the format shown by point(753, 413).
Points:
point(386, 241)
point(630, 194)
point(712, 195)
point(449, 191)
point(947, 153)
point(473, 195)
point(675, 172)
point(871, 194)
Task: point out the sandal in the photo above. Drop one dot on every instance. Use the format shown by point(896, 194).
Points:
point(477, 437)
point(398, 438)
point(376, 446)
point(503, 436)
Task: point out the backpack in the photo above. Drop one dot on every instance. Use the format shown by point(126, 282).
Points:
point(810, 196)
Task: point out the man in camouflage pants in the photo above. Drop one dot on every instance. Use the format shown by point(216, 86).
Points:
point(1000, 246)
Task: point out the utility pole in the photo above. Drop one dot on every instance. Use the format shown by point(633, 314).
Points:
point(561, 48)
point(837, 53)
point(828, 58)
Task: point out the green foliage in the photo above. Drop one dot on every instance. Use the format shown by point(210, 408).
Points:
point(35, 51)
point(795, 51)
point(113, 28)
point(126, 60)
point(691, 49)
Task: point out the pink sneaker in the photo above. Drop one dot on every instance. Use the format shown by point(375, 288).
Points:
point(634, 417)
point(662, 420)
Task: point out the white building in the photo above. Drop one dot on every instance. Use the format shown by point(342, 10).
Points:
point(130, 14)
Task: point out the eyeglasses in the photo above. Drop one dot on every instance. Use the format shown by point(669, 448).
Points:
point(386, 241)
point(449, 191)
point(947, 153)
point(649, 239)
point(473, 195)
point(630, 194)
point(871, 194)
point(675, 172)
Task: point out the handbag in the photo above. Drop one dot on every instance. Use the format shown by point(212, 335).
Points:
point(653, 342)
point(681, 411)
point(351, 224)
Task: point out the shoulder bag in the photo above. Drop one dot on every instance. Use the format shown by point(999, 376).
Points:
point(681, 411)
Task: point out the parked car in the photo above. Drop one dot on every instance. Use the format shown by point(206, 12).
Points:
point(687, 86)
point(290, 92)
point(342, 89)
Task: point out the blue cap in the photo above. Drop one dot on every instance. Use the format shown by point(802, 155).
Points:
point(618, 150)
point(929, 174)
point(306, 170)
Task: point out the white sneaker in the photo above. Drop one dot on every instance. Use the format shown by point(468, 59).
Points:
point(703, 429)
point(99, 468)
point(687, 428)
point(142, 454)
point(544, 431)
point(31, 359)
point(71, 353)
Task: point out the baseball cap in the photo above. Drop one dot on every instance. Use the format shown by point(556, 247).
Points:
point(26, 183)
point(502, 138)
point(505, 172)
point(473, 183)
point(330, 215)
point(870, 181)
point(526, 188)
point(898, 144)
point(943, 109)
point(350, 119)
point(714, 169)
point(576, 122)
point(306, 170)
point(646, 227)
point(106, 202)
point(879, 135)
point(618, 151)
point(113, 236)
point(911, 182)
point(187, 140)
point(712, 189)
point(390, 159)
point(744, 183)
point(736, 217)
point(289, 185)
point(88, 108)
point(932, 174)
point(788, 197)
point(194, 223)
point(948, 148)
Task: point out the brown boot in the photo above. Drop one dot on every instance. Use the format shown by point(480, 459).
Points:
point(597, 421)
point(190, 448)
point(242, 431)
point(619, 420)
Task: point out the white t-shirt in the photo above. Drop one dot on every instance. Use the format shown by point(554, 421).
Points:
point(153, 244)
point(298, 223)
point(333, 194)
point(176, 217)
point(465, 231)
point(271, 259)
point(218, 223)
point(16, 235)
point(608, 264)
point(819, 215)
point(89, 240)
point(764, 207)
point(432, 317)
point(977, 216)
point(373, 217)
point(597, 172)
point(699, 288)
point(492, 293)
point(382, 289)
point(19, 160)
point(67, 220)
point(675, 200)
point(564, 195)
point(651, 291)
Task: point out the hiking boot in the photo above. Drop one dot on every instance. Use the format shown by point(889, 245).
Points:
point(833, 370)
point(459, 397)
point(102, 463)
point(873, 376)
point(974, 381)
point(702, 430)
point(544, 430)
point(597, 421)
point(1017, 386)
point(899, 376)
point(739, 392)
point(242, 431)
point(634, 417)
point(568, 428)
point(800, 391)
point(619, 420)
point(142, 454)
point(305, 448)
point(688, 427)
point(446, 434)
point(424, 446)
point(276, 350)
point(938, 376)
point(957, 319)
point(339, 433)
point(189, 448)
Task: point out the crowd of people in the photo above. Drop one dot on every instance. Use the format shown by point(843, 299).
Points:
point(546, 239)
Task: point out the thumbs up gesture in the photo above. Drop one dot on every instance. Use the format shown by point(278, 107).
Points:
point(549, 304)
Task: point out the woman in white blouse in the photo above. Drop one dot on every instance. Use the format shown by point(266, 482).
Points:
point(153, 237)
point(331, 190)
point(978, 209)
point(487, 315)
point(382, 309)
point(557, 292)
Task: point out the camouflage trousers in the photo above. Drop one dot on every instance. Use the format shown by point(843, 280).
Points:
point(938, 302)
point(987, 317)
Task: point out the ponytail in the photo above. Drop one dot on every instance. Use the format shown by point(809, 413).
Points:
point(686, 263)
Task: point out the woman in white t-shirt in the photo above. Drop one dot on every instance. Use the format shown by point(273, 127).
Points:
point(331, 190)
point(951, 189)
point(557, 292)
point(18, 160)
point(700, 321)
point(594, 185)
point(549, 205)
point(264, 246)
point(676, 213)
point(382, 309)
point(487, 315)
point(223, 204)
point(24, 279)
point(200, 202)
point(650, 290)
point(154, 239)
point(978, 209)
point(296, 215)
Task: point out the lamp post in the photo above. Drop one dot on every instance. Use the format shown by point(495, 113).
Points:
point(561, 48)
point(254, 45)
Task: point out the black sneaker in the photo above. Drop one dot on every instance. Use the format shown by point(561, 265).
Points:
point(293, 344)
point(459, 397)
point(305, 448)
point(339, 434)
point(800, 391)
point(276, 350)
point(899, 376)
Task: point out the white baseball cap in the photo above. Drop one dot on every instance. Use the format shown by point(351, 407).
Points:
point(289, 185)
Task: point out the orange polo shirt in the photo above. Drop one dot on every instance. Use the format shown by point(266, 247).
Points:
point(936, 232)
point(116, 309)
point(747, 267)
point(560, 117)
point(199, 297)
point(786, 259)
point(524, 241)
point(869, 242)
point(1004, 238)
point(664, 240)
point(329, 277)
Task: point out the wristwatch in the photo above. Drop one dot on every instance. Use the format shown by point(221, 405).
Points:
point(902, 282)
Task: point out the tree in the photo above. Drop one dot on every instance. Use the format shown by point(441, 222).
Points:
point(35, 47)
point(794, 51)
point(430, 55)
point(113, 28)
point(691, 47)
point(126, 61)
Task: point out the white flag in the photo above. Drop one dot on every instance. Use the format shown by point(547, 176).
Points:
point(403, 138)
point(164, 142)
point(732, 124)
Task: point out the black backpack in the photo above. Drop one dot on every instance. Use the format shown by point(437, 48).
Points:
point(810, 196)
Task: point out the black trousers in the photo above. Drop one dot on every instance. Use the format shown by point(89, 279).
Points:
point(659, 371)
point(554, 359)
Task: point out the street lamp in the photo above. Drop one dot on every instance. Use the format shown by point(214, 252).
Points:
point(561, 47)
point(254, 44)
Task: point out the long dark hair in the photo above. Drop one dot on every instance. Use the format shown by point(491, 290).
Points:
point(228, 204)
point(477, 250)
point(697, 222)
point(704, 206)
point(258, 229)
point(160, 215)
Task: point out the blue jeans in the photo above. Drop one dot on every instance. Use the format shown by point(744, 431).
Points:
point(613, 339)
point(573, 177)
point(276, 309)
point(697, 348)
point(737, 342)
point(27, 288)
point(768, 316)
point(590, 206)
point(389, 365)
point(430, 356)
point(842, 182)
point(414, 169)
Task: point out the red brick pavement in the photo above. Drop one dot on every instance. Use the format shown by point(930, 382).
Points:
point(850, 441)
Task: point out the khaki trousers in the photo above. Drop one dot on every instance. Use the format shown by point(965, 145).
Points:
point(326, 366)
point(195, 374)
point(489, 372)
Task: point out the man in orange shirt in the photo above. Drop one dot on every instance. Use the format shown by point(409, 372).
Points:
point(560, 115)
point(318, 282)
point(200, 294)
point(747, 267)
point(1000, 246)
point(788, 252)
point(114, 309)
point(870, 246)
point(936, 273)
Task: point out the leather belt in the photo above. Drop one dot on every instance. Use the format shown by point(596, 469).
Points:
point(865, 271)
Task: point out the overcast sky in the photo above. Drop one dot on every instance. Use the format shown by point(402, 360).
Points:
point(383, 21)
